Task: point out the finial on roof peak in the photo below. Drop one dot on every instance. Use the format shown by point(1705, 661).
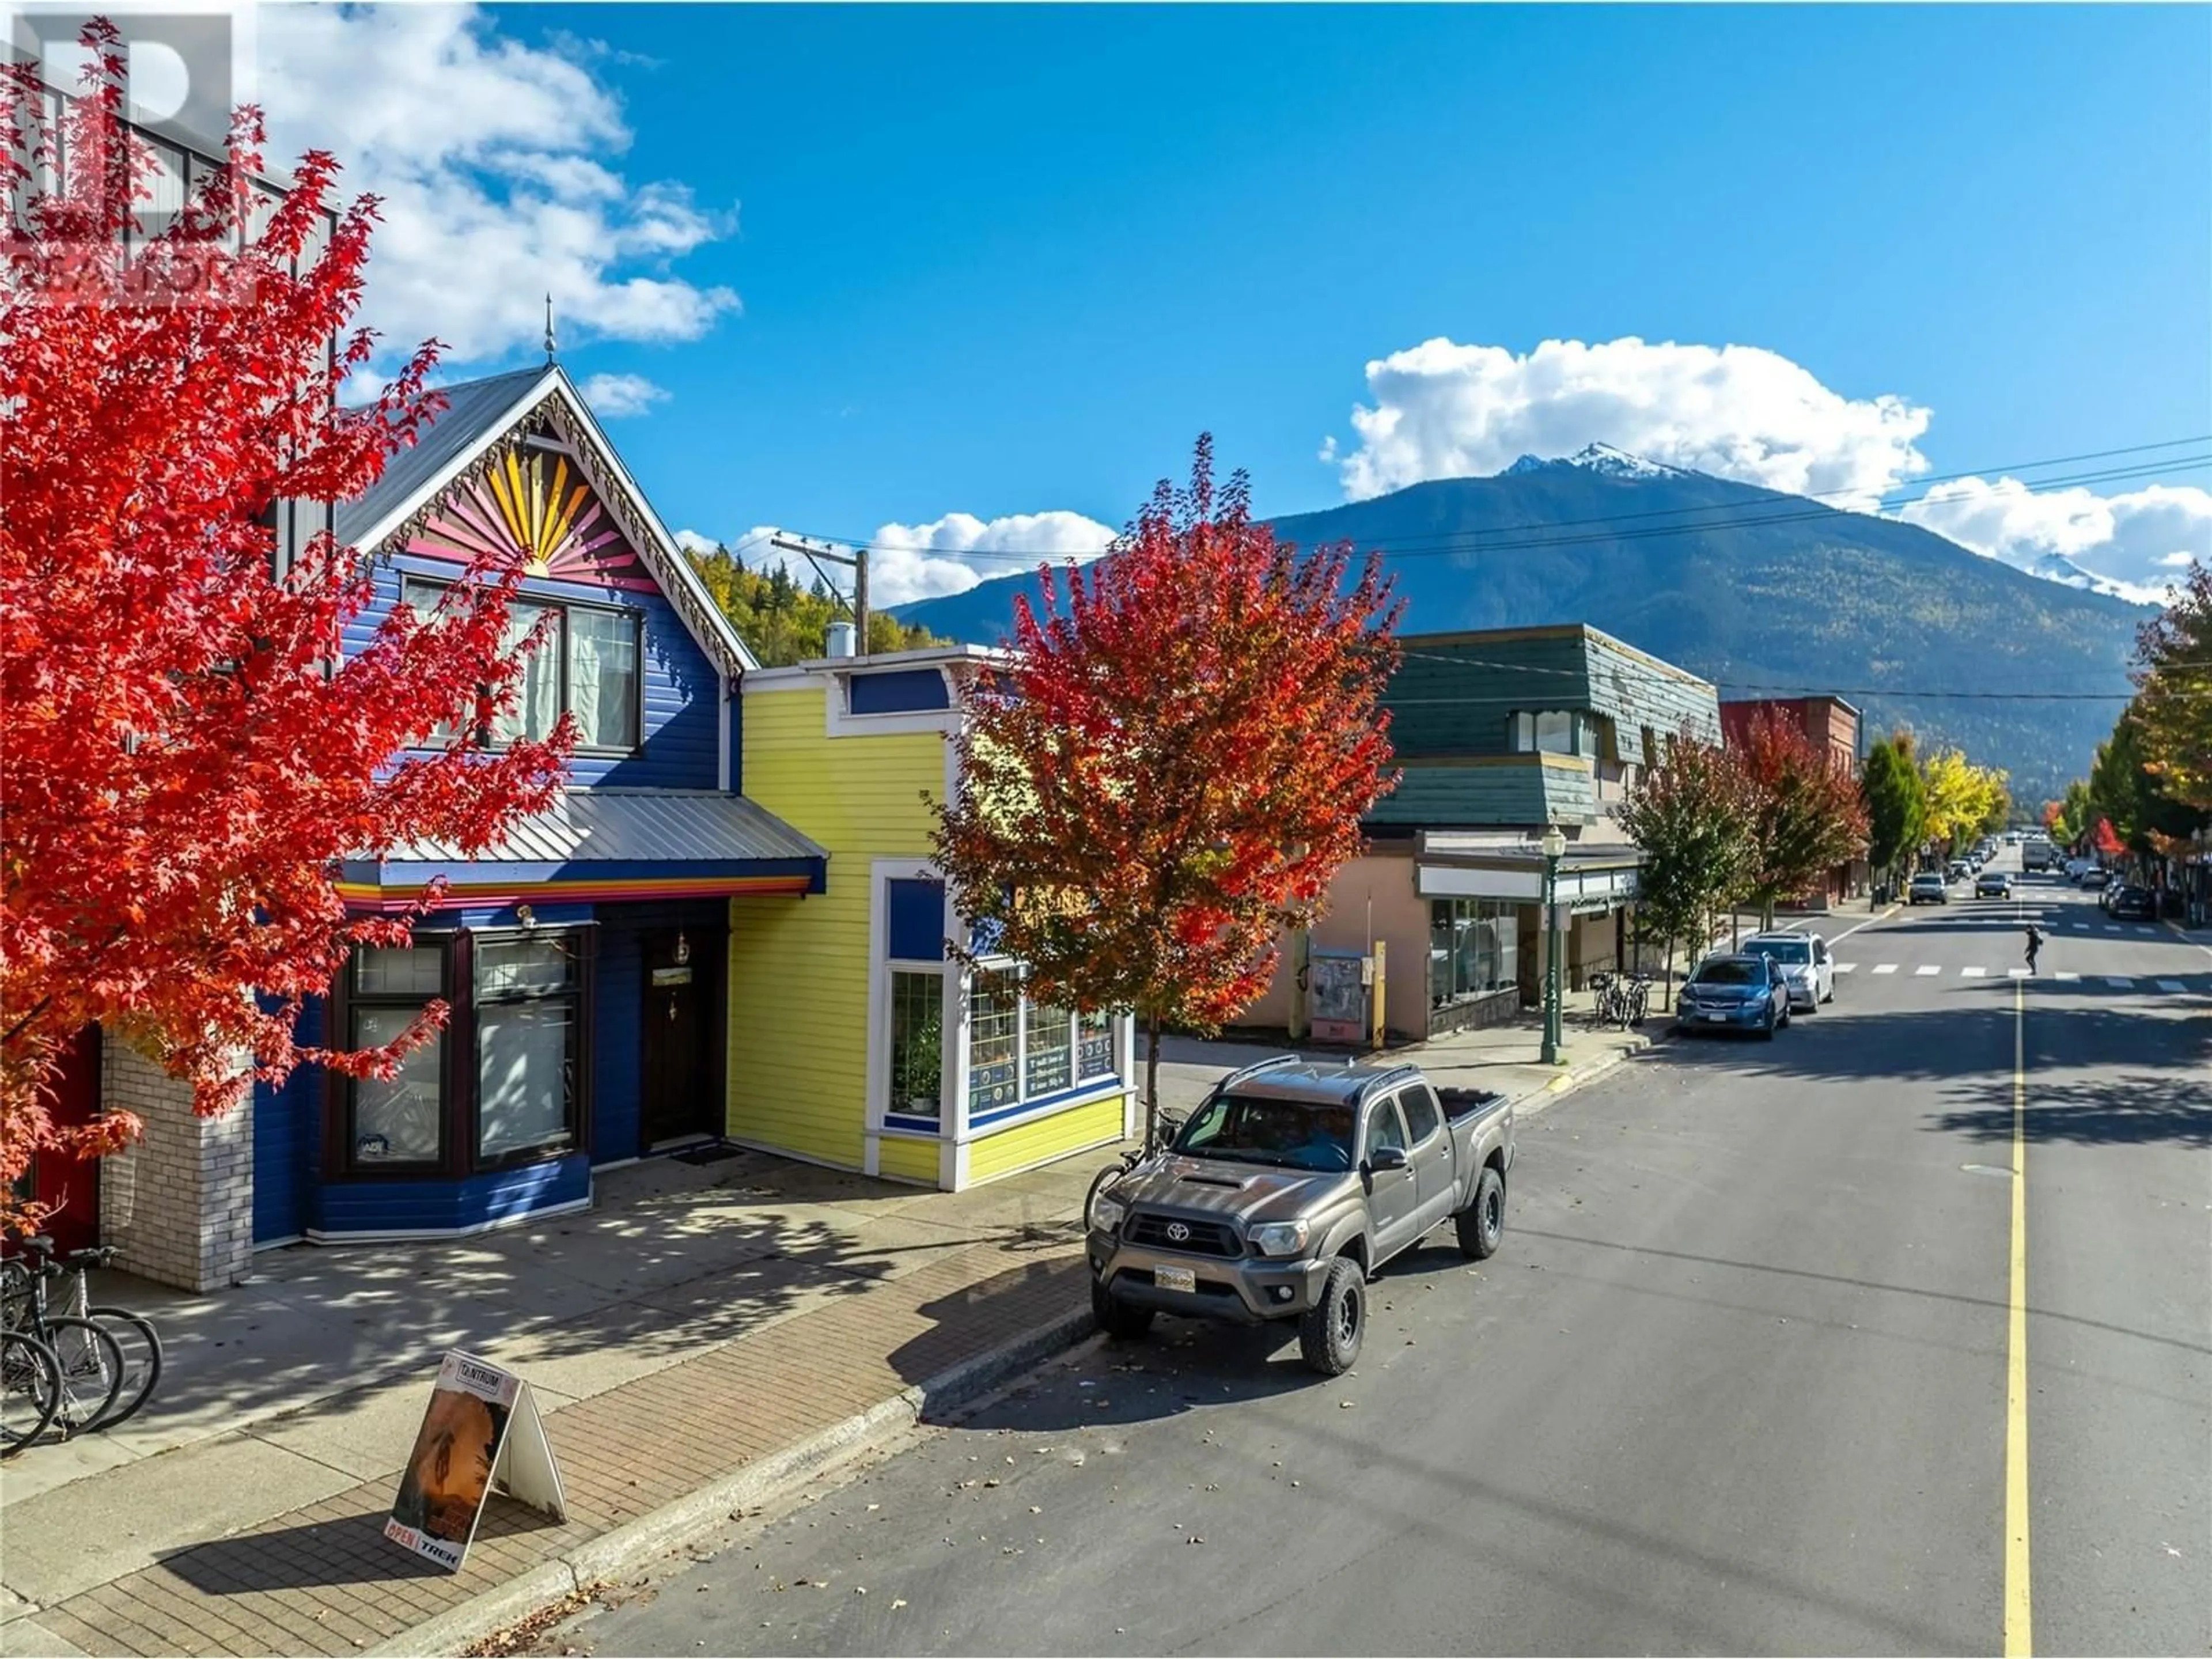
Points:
point(550, 346)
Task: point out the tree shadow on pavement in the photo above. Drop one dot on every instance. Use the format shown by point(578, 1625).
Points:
point(2105, 1112)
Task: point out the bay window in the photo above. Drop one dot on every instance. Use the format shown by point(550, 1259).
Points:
point(396, 1121)
point(917, 1043)
point(587, 663)
point(528, 1012)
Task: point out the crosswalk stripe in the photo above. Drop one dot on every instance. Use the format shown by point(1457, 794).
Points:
point(1847, 967)
point(2118, 983)
point(1926, 969)
point(1886, 968)
point(1971, 972)
point(2172, 985)
point(2065, 978)
point(2016, 973)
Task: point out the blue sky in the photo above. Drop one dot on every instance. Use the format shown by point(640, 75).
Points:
point(998, 261)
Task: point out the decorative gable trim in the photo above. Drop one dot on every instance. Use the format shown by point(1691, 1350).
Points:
point(553, 402)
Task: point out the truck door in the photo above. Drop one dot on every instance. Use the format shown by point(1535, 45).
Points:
point(1393, 1195)
point(1431, 1153)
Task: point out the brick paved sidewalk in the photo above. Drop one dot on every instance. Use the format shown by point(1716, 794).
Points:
point(322, 1579)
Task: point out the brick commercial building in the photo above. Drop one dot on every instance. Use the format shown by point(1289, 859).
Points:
point(1831, 723)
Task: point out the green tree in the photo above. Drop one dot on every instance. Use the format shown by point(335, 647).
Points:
point(2173, 702)
point(1691, 817)
point(1896, 804)
point(782, 623)
point(1960, 797)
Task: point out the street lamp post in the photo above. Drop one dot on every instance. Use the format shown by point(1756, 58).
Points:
point(1555, 846)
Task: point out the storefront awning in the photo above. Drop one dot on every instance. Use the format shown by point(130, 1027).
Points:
point(605, 846)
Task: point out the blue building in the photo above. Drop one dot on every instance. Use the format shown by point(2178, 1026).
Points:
point(585, 960)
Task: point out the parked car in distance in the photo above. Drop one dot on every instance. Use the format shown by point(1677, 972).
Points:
point(1927, 888)
point(1993, 883)
point(2093, 877)
point(1286, 1190)
point(1957, 870)
point(2133, 904)
point(2074, 867)
point(1734, 992)
point(1807, 969)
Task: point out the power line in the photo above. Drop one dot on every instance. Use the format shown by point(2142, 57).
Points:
point(1786, 510)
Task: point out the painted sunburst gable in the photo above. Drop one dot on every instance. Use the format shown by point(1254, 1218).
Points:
point(543, 480)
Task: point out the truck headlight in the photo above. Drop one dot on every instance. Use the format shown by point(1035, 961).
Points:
point(1279, 1237)
point(1107, 1213)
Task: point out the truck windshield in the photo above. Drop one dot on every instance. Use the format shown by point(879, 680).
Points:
point(1293, 1135)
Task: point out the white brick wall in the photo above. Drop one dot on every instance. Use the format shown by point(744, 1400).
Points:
point(179, 1204)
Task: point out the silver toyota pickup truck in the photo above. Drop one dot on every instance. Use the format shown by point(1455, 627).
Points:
point(1287, 1190)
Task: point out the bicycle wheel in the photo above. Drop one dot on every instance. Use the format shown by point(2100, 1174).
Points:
point(30, 1390)
point(15, 1298)
point(91, 1371)
point(141, 1361)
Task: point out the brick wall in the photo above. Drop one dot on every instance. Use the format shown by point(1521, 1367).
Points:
point(179, 1204)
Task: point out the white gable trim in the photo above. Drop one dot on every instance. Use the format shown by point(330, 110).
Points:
point(680, 585)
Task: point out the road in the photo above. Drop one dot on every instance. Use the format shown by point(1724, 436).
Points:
point(1742, 1380)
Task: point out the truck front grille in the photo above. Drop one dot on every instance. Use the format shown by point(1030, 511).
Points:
point(1205, 1238)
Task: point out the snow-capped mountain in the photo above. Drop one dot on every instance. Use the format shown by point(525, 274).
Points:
point(2057, 568)
point(1601, 459)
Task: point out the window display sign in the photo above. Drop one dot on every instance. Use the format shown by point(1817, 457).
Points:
point(481, 1430)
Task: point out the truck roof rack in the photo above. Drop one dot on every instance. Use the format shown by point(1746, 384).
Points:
point(1256, 1067)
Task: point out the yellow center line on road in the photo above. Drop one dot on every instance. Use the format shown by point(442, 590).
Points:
point(2018, 1624)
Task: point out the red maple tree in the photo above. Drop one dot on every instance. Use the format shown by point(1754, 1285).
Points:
point(1806, 812)
point(188, 750)
point(2108, 840)
point(1172, 762)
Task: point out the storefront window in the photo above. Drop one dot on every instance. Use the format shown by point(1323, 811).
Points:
point(399, 1120)
point(917, 1043)
point(527, 997)
point(1094, 1044)
point(1474, 947)
point(1050, 1037)
point(995, 1006)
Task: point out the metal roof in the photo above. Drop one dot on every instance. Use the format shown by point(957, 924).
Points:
point(472, 409)
point(631, 826)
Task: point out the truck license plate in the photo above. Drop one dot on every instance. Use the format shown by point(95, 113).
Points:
point(1176, 1278)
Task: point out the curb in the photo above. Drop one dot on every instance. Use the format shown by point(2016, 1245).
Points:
point(617, 1550)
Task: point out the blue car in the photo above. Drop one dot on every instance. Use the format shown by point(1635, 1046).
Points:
point(1734, 993)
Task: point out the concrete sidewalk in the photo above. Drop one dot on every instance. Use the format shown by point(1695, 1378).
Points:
point(706, 1333)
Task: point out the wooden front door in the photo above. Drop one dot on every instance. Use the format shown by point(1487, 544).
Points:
point(677, 1086)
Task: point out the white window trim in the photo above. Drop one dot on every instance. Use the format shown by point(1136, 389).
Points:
point(952, 1107)
point(841, 722)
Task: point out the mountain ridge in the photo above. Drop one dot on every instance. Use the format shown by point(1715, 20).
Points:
point(1764, 592)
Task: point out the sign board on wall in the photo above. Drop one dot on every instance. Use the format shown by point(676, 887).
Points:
point(482, 1431)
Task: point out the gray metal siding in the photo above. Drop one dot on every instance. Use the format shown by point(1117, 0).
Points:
point(618, 826)
point(472, 409)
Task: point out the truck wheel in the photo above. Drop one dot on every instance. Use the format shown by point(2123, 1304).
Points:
point(1118, 1319)
point(1330, 1332)
point(1482, 1223)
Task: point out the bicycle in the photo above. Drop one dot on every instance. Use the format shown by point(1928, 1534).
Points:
point(134, 1335)
point(30, 1390)
point(89, 1360)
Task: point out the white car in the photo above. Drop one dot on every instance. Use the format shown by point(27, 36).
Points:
point(2074, 867)
point(1807, 966)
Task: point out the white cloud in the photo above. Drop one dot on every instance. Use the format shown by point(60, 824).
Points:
point(2136, 541)
point(949, 555)
point(952, 553)
point(1442, 409)
point(614, 396)
point(498, 167)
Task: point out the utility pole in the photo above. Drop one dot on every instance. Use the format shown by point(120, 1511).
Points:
point(856, 561)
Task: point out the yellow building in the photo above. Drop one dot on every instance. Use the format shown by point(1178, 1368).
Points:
point(855, 1041)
